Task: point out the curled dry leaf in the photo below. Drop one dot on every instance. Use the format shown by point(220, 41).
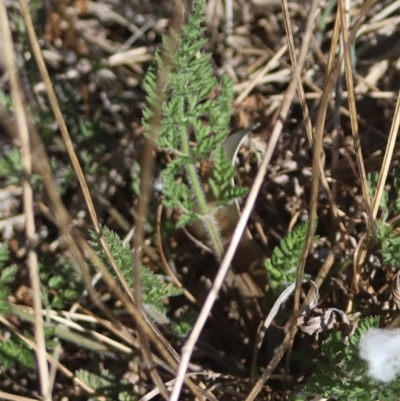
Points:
point(325, 320)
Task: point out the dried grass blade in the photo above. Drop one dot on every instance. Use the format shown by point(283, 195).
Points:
point(316, 167)
point(26, 158)
point(354, 120)
point(394, 130)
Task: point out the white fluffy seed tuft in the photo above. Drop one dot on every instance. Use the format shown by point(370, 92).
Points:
point(381, 349)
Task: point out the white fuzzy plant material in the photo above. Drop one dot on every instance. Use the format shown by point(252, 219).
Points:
point(381, 349)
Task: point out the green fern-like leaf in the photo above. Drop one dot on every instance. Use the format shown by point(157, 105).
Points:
point(221, 181)
point(185, 324)
point(372, 181)
point(121, 253)
point(4, 254)
point(14, 351)
point(390, 244)
point(282, 268)
point(11, 171)
point(61, 283)
point(108, 385)
point(93, 380)
point(196, 111)
point(154, 291)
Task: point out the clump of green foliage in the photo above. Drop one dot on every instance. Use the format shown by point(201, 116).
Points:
point(11, 169)
point(107, 385)
point(61, 283)
point(61, 286)
point(195, 115)
point(154, 291)
point(342, 375)
point(12, 350)
point(282, 268)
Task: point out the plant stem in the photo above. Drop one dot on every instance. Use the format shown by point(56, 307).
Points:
point(208, 220)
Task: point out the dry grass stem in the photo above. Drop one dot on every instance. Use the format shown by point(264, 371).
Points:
point(26, 158)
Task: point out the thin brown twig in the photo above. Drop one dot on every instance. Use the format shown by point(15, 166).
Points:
point(354, 119)
point(316, 169)
point(13, 397)
point(164, 260)
point(361, 250)
point(394, 130)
